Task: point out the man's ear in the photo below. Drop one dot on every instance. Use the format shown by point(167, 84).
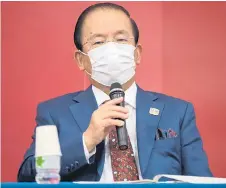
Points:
point(137, 54)
point(79, 57)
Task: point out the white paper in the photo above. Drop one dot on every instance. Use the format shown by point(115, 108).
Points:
point(192, 179)
point(118, 182)
point(185, 179)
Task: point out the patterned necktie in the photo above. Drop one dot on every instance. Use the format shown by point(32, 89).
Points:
point(123, 162)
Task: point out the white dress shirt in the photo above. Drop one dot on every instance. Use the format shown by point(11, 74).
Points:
point(130, 104)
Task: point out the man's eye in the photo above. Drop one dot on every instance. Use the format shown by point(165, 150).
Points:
point(122, 40)
point(98, 42)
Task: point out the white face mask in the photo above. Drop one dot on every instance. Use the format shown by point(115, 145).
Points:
point(112, 62)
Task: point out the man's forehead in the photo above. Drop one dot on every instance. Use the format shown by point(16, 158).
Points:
point(105, 22)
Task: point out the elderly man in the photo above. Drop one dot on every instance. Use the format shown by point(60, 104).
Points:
point(162, 133)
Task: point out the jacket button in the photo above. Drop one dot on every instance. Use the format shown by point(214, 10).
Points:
point(68, 169)
point(72, 166)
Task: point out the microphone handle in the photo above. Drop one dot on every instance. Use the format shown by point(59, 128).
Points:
point(122, 132)
point(122, 137)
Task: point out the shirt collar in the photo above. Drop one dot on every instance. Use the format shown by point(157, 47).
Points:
point(130, 95)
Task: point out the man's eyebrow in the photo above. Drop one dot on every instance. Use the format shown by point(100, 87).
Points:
point(102, 35)
point(95, 35)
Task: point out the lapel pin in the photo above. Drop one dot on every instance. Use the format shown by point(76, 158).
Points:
point(154, 111)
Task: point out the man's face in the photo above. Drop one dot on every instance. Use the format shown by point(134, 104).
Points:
point(104, 25)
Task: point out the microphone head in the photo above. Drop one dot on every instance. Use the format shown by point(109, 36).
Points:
point(116, 88)
point(115, 85)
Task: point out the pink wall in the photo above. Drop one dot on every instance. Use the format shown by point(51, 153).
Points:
point(183, 55)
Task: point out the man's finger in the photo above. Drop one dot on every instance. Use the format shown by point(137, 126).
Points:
point(114, 101)
point(118, 109)
point(113, 122)
point(114, 115)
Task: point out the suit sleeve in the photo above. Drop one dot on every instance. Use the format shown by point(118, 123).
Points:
point(194, 159)
point(73, 156)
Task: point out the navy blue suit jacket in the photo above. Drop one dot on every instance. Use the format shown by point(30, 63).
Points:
point(71, 113)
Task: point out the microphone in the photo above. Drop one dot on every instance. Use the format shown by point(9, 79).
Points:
point(116, 91)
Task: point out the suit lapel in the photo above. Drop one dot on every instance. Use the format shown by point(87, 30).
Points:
point(82, 111)
point(146, 124)
point(83, 108)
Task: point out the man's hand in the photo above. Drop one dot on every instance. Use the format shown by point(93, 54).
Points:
point(102, 121)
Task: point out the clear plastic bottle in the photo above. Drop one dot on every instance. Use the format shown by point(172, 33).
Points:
point(47, 169)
